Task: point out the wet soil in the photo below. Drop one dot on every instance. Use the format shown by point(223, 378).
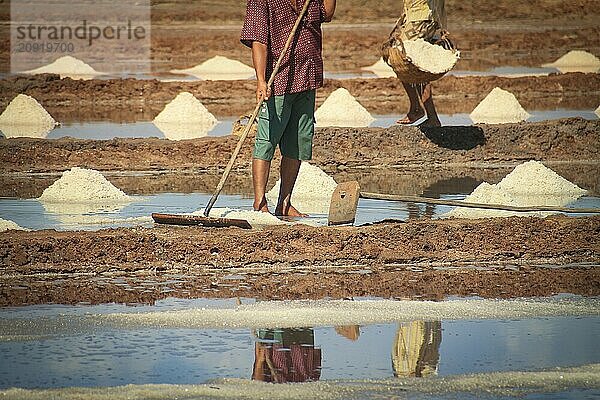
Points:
point(570, 146)
point(133, 100)
point(418, 259)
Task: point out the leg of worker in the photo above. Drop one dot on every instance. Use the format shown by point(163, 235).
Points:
point(260, 177)
point(296, 146)
point(415, 111)
point(432, 116)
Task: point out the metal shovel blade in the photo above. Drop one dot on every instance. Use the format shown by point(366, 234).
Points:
point(344, 202)
point(199, 220)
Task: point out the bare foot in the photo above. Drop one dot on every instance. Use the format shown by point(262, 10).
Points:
point(262, 206)
point(411, 117)
point(289, 211)
point(431, 122)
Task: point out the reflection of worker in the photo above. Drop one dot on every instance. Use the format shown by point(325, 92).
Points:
point(416, 351)
point(286, 355)
point(421, 19)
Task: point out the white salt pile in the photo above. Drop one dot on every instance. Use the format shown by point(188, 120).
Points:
point(576, 61)
point(185, 117)
point(67, 66)
point(80, 185)
point(219, 68)
point(598, 111)
point(381, 69)
point(25, 117)
point(430, 57)
point(342, 109)
point(529, 184)
point(312, 192)
point(6, 225)
point(256, 219)
point(499, 107)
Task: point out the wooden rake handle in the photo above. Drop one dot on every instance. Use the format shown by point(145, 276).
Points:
point(244, 135)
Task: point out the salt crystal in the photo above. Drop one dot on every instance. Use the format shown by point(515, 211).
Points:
point(219, 68)
point(80, 185)
point(67, 66)
point(25, 117)
point(499, 107)
point(381, 69)
point(576, 61)
point(430, 57)
point(312, 192)
point(6, 225)
point(185, 117)
point(342, 109)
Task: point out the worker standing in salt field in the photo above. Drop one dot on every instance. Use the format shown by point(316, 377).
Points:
point(421, 19)
point(286, 118)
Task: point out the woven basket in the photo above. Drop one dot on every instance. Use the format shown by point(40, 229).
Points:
point(240, 125)
point(394, 54)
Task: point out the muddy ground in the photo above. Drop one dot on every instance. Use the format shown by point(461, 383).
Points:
point(392, 160)
point(141, 100)
point(419, 259)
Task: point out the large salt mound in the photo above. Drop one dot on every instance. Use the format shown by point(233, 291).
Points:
point(219, 68)
point(484, 194)
point(67, 66)
point(499, 107)
point(185, 117)
point(6, 225)
point(312, 192)
point(576, 61)
point(25, 117)
point(80, 185)
point(532, 183)
point(342, 109)
point(381, 69)
point(430, 57)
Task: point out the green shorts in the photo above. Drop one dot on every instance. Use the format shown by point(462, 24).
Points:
point(287, 121)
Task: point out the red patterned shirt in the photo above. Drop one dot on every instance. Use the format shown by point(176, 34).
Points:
point(270, 22)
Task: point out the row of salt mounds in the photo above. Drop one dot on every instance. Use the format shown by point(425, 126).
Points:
point(381, 69)
point(312, 192)
point(499, 107)
point(25, 117)
point(67, 66)
point(430, 57)
point(185, 117)
point(576, 61)
point(343, 110)
point(7, 224)
point(219, 68)
point(529, 184)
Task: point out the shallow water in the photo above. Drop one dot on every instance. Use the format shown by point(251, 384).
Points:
point(97, 354)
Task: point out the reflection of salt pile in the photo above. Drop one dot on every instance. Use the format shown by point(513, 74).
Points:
point(67, 66)
point(499, 107)
point(6, 225)
point(25, 117)
point(256, 219)
point(80, 191)
point(529, 184)
point(219, 68)
point(430, 57)
point(342, 109)
point(381, 69)
point(185, 117)
point(312, 192)
point(576, 61)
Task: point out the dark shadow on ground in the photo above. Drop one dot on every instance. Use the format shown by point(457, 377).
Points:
point(455, 137)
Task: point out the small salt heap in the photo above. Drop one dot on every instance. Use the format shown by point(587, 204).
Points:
point(25, 117)
point(528, 185)
point(256, 219)
point(67, 66)
point(576, 61)
point(499, 107)
point(430, 57)
point(219, 68)
point(342, 109)
point(80, 185)
point(598, 111)
point(185, 117)
point(7, 224)
point(312, 192)
point(381, 69)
